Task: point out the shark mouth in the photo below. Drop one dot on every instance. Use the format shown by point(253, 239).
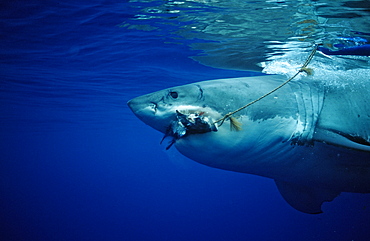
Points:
point(187, 124)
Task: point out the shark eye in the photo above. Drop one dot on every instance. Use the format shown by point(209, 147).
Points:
point(174, 94)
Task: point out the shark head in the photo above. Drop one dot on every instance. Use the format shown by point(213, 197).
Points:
point(160, 109)
point(177, 112)
point(190, 114)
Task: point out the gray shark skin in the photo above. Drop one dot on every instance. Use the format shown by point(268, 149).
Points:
point(312, 139)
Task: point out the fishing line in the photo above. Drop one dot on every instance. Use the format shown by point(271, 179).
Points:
point(235, 125)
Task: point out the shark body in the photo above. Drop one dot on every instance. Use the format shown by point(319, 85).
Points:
point(312, 139)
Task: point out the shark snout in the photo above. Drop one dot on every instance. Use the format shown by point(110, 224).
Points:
point(147, 111)
point(141, 103)
point(132, 105)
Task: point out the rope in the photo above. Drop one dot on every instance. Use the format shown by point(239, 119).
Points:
point(302, 69)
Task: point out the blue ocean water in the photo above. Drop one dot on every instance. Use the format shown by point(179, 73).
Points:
point(76, 164)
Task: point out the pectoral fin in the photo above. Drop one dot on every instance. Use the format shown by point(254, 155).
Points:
point(339, 138)
point(303, 198)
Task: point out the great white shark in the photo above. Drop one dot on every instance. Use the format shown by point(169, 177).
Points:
point(312, 138)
